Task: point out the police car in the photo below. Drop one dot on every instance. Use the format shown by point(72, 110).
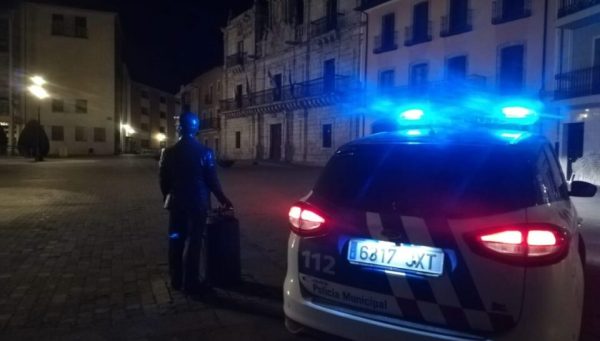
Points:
point(440, 232)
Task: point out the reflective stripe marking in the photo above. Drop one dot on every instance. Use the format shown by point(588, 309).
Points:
point(461, 279)
point(442, 287)
point(433, 314)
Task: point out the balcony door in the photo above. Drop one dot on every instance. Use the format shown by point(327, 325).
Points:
point(456, 68)
point(458, 14)
point(513, 9)
point(332, 14)
point(421, 20)
point(277, 83)
point(275, 142)
point(329, 75)
point(388, 27)
point(512, 69)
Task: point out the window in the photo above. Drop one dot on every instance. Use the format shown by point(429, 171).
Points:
point(327, 136)
point(81, 27)
point(419, 74)
point(81, 106)
point(278, 82)
point(58, 105)
point(387, 40)
point(511, 69)
point(99, 135)
point(239, 89)
point(144, 127)
point(145, 143)
point(386, 80)
point(459, 19)
point(240, 47)
point(238, 139)
point(420, 31)
point(329, 75)
point(456, 68)
point(509, 10)
point(58, 25)
point(479, 183)
point(58, 133)
point(299, 18)
point(69, 26)
point(80, 134)
point(144, 111)
point(163, 115)
point(162, 130)
point(4, 38)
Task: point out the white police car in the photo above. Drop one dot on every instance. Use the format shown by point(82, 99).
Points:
point(444, 232)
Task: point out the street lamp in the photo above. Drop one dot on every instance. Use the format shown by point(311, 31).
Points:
point(161, 138)
point(37, 90)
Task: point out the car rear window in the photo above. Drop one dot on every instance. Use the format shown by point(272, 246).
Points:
point(425, 180)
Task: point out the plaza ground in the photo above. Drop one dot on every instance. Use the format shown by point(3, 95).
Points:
point(83, 253)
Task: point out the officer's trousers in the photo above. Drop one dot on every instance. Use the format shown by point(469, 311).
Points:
point(186, 230)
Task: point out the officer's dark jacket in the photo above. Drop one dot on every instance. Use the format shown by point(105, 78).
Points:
point(188, 175)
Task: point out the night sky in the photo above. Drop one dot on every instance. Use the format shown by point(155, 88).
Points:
point(169, 42)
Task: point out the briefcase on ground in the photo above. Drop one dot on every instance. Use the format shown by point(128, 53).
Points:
point(223, 263)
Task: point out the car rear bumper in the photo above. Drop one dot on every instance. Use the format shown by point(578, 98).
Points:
point(347, 323)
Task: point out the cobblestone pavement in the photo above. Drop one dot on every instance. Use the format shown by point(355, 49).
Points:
point(83, 254)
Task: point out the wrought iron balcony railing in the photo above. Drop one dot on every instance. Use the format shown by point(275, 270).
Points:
point(235, 59)
point(451, 27)
point(413, 37)
point(567, 7)
point(313, 88)
point(578, 83)
point(500, 15)
point(387, 41)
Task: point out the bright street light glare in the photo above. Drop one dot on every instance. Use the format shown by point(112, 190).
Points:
point(161, 137)
point(38, 91)
point(38, 80)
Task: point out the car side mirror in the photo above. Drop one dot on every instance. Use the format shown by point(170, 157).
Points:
point(582, 189)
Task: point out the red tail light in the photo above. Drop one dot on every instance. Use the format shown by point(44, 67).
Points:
point(305, 219)
point(523, 245)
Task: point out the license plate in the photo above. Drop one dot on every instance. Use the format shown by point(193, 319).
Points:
point(402, 258)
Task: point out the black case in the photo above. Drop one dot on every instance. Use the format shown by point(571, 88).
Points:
point(223, 263)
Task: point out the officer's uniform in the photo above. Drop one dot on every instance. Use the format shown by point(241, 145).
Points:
point(187, 178)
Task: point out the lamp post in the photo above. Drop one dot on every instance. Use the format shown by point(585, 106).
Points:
point(37, 90)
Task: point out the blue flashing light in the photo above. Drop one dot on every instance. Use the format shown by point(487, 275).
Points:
point(512, 136)
point(414, 132)
point(517, 112)
point(174, 235)
point(412, 114)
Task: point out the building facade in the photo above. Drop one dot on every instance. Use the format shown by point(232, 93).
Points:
point(149, 121)
point(418, 48)
point(202, 96)
point(291, 70)
point(577, 85)
point(77, 51)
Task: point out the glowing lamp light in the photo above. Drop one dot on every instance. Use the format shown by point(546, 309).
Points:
point(38, 91)
point(38, 80)
point(161, 137)
point(412, 114)
point(128, 129)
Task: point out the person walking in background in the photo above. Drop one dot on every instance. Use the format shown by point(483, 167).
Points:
point(188, 176)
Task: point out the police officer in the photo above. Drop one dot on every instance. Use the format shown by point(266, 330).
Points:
point(187, 178)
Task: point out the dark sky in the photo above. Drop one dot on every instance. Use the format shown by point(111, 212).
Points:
point(169, 42)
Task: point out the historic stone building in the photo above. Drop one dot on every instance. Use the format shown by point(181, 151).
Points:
point(291, 72)
point(202, 96)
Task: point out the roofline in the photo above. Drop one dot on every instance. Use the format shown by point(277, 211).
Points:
point(91, 10)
